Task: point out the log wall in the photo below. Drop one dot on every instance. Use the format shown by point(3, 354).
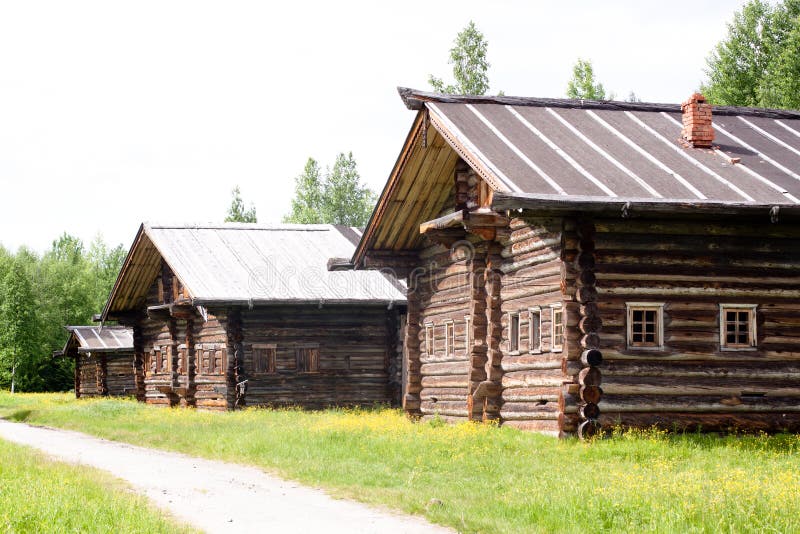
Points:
point(356, 347)
point(532, 284)
point(443, 296)
point(692, 267)
point(106, 374)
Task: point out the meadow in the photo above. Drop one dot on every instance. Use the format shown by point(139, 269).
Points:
point(473, 477)
point(39, 495)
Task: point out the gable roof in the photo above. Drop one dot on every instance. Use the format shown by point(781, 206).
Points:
point(249, 264)
point(99, 339)
point(580, 152)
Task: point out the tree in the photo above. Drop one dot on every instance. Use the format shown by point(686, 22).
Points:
point(583, 84)
point(468, 57)
point(339, 198)
point(307, 201)
point(757, 64)
point(345, 200)
point(17, 328)
point(237, 212)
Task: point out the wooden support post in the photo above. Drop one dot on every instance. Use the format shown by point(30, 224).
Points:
point(477, 352)
point(411, 398)
point(494, 331)
point(235, 376)
point(102, 374)
point(173, 359)
point(138, 361)
point(191, 364)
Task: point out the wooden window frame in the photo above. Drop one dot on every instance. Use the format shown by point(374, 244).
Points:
point(468, 334)
point(514, 332)
point(182, 356)
point(301, 355)
point(430, 340)
point(658, 308)
point(449, 338)
point(554, 309)
point(535, 312)
point(156, 355)
point(271, 357)
point(752, 327)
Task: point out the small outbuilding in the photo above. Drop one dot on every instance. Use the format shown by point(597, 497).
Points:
point(238, 314)
point(573, 264)
point(103, 359)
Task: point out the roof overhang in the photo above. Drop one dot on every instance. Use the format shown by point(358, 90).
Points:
point(636, 207)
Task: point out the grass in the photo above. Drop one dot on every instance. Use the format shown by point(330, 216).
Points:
point(38, 495)
point(473, 477)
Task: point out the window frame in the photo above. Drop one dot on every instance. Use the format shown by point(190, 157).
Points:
point(752, 331)
point(658, 307)
point(299, 352)
point(449, 338)
point(430, 339)
point(535, 311)
point(468, 334)
point(271, 355)
point(557, 307)
point(514, 334)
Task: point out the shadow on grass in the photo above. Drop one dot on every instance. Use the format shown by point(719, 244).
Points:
point(20, 415)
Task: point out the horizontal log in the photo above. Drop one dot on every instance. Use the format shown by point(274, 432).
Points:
point(548, 426)
point(698, 403)
point(531, 394)
point(590, 376)
point(708, 422)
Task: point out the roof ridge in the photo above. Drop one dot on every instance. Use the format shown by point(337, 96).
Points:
point(414, 99)
point(278, 227)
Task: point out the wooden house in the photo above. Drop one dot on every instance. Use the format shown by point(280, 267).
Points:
point(574, 264)
point(103, 359)
point(239, 314)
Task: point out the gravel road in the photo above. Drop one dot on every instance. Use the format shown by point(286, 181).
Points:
point(217, 496)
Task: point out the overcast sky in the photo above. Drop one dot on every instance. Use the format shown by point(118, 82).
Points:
point(115, 113)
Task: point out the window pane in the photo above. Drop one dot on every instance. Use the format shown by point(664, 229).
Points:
point(638, 316)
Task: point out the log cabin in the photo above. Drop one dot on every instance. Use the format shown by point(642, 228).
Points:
point(103, 358)
point(230, 315)
point(576, 265)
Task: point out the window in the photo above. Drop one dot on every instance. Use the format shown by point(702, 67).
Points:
point(155, 360)
point(429, 339)
point(449, 338)
point(535, 330)
point(645, 325)
point(166, 359)
point(182, 359)
point(513, 332)
point(307, 359)
point(557, 328)
point(737, 329)
point(264, 358)
point(468, 334)
point(212, 358)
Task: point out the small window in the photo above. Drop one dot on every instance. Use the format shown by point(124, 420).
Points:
point(449, 338)
point(513, 332)
point(212, 358)
point(429, 339)
point(155, 360)
point(307, 359)
point(737, 326)
point(468, 334)
point(557, 329)
point(182, 359)
point(645, 325)
point(264, 356)
point(535, 330)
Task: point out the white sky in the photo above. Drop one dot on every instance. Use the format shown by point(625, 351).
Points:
point(115, 113)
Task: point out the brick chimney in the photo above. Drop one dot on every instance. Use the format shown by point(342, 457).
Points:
point(697, 128)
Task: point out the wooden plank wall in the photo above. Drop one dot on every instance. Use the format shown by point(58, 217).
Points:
point(119, 374)
point(692, 267)
point(532, 379)
point(357, 345)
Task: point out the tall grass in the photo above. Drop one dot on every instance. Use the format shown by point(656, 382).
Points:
point(473, 477)
point(38, 496)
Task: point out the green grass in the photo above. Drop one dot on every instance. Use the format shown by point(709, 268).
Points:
point(38, 495)
point(472, 477)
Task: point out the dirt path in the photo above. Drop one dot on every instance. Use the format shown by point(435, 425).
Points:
point(217, 496)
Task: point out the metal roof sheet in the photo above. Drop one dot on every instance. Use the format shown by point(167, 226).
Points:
point(101, 338)
point(626, 153)
point(245, 263)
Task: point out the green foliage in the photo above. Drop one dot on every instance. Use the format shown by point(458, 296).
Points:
point(307, 201)
point(66, 286)
point(758, 63)
point(339, 198)
point(474, 477)
point(583, 84)
point(237, 211)
point(39, 495)
point(470, 67)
